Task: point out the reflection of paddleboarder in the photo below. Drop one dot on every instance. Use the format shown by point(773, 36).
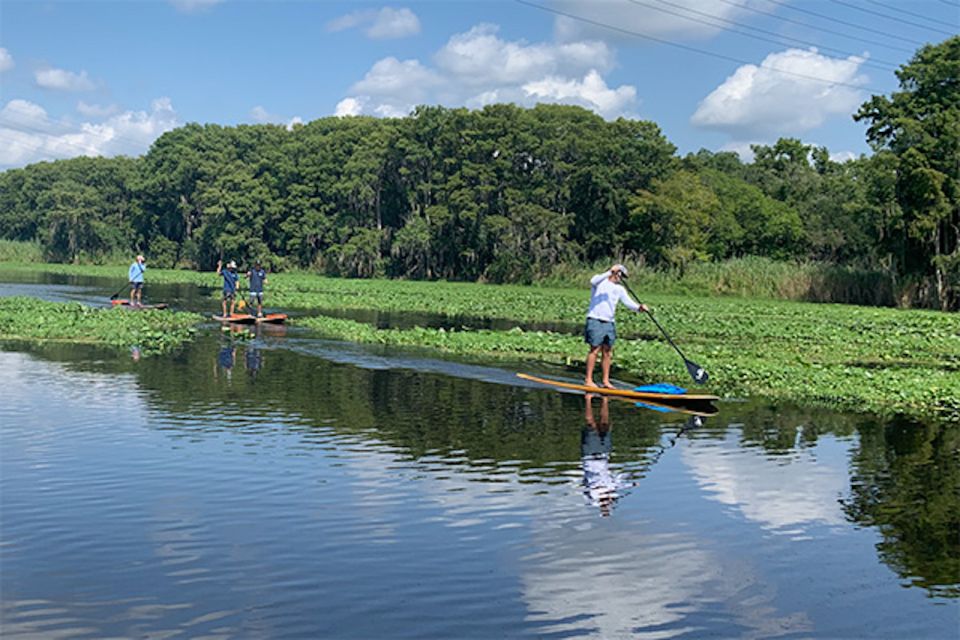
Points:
point(225, 359)
point(253, 360)
point(601, 487)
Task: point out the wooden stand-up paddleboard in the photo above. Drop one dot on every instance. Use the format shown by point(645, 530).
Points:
point(690, 403)
point(628, 394)
point(246, 318)
point(126, 303)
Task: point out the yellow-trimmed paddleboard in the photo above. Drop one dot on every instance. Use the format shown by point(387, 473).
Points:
point(629, 394)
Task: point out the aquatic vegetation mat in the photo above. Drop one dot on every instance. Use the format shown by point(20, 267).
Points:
point(151, 331)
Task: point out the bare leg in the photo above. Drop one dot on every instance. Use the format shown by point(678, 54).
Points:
point(139, 297)
point(591, 362)
point(605, 365)
point(133, 293)
point(223, 306)
point(233, 303)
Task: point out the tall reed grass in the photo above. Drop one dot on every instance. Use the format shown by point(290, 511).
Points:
point(751, 276)
point(20, 251)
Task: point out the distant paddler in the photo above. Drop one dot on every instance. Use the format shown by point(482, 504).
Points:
point(600, 331)
point(135, 277)
point(230, 279)
point(257, 277)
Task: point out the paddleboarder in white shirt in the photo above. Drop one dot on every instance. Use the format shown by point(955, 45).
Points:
point(600, 331)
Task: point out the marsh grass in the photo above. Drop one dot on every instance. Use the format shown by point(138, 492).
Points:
point(20, 251)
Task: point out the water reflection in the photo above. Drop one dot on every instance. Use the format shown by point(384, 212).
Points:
point(226, 358)
point(358, 502)
point(253, 359)
point(601, 486)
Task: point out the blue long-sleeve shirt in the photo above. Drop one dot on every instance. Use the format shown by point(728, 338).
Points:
point(136, 272)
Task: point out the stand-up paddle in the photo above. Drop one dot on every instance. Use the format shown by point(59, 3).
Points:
point(119, 291)
point(698, 373)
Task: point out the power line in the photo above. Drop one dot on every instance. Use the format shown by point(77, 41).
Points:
point(62, 140)
point(693, 49)
point(880, 64)
point(781, 3)
point(909, 13)
point(889, 17)
point(818, 28)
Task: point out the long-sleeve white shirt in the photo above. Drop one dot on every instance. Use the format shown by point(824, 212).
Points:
point(604, 296)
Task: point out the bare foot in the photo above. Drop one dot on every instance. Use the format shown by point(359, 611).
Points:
point(589, 383)
point(608, 385)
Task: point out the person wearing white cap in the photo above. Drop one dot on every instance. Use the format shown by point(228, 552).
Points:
point(230, 278)
point(600, 332)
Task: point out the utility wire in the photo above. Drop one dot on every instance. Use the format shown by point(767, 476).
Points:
point(911, 13)
point(818, 28)
point(693, 49)
point(781, 3)
point(889, 17)
point(880, 64)
point(63, 140)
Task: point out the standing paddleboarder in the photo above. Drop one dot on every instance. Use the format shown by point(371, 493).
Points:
point(600, 331)
point(135, 277)
point(230, 278)
point(257, 277)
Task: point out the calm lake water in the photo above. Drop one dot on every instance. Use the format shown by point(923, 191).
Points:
point(285, 486)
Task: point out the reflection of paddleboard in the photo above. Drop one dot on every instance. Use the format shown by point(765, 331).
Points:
point(126, 303)
point(629, 394)
point(246, 318)
point(703, 408)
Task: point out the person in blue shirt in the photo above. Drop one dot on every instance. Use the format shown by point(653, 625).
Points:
point(135, 277)
point(257, 276)
point(230, 278)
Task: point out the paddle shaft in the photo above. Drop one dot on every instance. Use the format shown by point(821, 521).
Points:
point(120, 290)
point(696, 372)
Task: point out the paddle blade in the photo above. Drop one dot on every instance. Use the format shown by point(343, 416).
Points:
point(698, 373)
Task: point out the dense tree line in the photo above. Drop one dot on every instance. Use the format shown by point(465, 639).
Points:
point(508, 194)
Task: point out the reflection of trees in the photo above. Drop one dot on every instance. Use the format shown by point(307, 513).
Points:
point(904, 481)
point(782, 429)
point(904, 476)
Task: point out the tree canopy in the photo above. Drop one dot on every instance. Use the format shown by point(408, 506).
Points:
point(506, 194)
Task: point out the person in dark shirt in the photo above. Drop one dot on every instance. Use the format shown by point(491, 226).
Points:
point(230, 278)
point(257, 277)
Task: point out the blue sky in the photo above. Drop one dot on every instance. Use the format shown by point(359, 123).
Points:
point(80, 77)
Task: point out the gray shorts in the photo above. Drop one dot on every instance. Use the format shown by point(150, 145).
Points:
point(256, 296)
point(136, 286)
point(597, 332)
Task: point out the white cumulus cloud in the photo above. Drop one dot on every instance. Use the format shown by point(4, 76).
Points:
point(380, 24)
point(30, 135)
point(591, 92)
point(349, 107)
point(261, 115)
point(63, 80)
point(789, 93)
point(478, 67)
point(653, 19)
point(842, 156)
point(6, 60)
point(480, 57)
